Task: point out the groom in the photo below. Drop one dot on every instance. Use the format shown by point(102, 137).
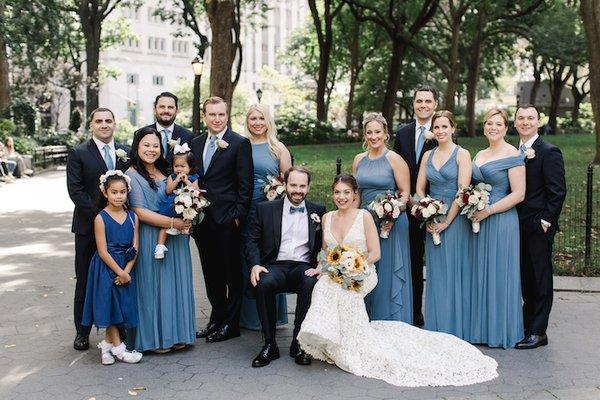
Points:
point(538, 215)
point(283, 242)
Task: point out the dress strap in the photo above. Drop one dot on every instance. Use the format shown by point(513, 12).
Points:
point(429, 159)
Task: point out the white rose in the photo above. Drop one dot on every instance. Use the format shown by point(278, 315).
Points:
point(396, 212)
point(379, 210)
point(425, 213)
point(271, 195)
point(279, 189)
point(428, 135)
point(480, 206)
point(432, 209)
point(187, 201)
point(387, 207)
point(189, 214)
point(473, 199)
point(179, 208)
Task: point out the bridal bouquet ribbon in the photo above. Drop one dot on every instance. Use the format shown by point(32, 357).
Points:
point(472, 199)
point(386, 208)
point(274, 188)
point(190, 204)
point(345, 265)
point(429, 211)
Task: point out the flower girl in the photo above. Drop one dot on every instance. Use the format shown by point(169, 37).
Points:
point(110, 300)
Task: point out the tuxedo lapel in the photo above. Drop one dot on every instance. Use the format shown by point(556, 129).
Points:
point(93, 149)
point(411, 142)
point(200, 154)
point(311, 226)
point(277, 216)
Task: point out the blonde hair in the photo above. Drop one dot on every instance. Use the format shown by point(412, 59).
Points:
point(493, 112)
point(374, 117)
point(214, 100)
point(271, 133)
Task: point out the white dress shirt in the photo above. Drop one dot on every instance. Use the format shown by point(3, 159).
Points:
point(294, 234)
point(161, 129)
point(529, 143)
point(112, 151)
point(219, 136)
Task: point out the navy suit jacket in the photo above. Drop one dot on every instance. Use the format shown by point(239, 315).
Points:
point(85, 164)
point(404, 145)
point(229, 179)
point(546, 188)
point(179, 132)
point(264, 232)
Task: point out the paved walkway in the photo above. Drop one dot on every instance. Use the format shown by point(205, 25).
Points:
point(37, 360)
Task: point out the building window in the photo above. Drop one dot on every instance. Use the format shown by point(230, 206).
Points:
point(158, 80)
point(132, 112)
point(130, 12)
point(156, 44)
point(132, 44)
point(132, 79)
point(152, 17)
point(180, 47)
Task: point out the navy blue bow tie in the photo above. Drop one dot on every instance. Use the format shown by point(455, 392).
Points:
point(296, 209)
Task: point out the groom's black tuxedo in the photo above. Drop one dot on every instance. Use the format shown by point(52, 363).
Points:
point(85, 164)
point(262, 248)
point(228, 182)
point(404, 145)
point(544, 196)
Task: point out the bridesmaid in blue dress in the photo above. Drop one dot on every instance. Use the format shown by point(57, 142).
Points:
point(378, 171)
point(496, 313)
point(165, 291)
point(448, 294)
point(270, 158)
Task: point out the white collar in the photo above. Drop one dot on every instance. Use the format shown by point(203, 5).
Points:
point(287, 204)
point(169, 129)
point(427, 126)
point(530, 142)
point(219, 135)
point(100, 144)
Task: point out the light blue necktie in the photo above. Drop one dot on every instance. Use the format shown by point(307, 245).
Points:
point(107, 158)
point(420, 143)
point(523, 148)
point(212, 148)
point(165, 142)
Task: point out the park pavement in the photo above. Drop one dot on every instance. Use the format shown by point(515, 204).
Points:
point(37, 360)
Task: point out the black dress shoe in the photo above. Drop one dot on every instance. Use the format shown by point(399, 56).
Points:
point(419, 322)
point(268, 353)
point(532, 341)
point(294, 348)
point(210, 328)
point(81, 342)
point(302, 358)
point(224, 333)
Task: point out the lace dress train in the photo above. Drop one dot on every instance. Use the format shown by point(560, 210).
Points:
point(337, 330)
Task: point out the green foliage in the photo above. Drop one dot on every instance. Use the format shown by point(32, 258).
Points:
point(23, 115)
point(124, 132)
point(585, 123)
point(7, 128)
point(51, 137)
point(24, 145)
point(307, 130)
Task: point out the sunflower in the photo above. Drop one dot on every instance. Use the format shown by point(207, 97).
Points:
point(354, 285)
point(334, 256)
point(359, 263)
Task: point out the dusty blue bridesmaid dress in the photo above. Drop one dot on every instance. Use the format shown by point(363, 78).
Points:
point(392, 297)
point(448, 290)
point(496, 309)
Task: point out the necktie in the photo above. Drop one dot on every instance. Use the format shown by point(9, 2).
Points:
point(296, 209)
point(165, 141)
point(420, 143)
point(107, 158)
point(523, 148)
point(210, 151)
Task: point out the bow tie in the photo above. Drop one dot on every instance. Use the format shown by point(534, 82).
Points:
point(296, 209)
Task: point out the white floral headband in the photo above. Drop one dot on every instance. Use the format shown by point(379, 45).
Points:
point(181, 149)
point(114, 172)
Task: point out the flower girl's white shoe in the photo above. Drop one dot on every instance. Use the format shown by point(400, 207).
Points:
point(159, 251)
point(105, 348)
point(121, 353)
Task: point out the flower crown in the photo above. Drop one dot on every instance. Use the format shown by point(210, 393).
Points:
point(114, 172)
point(181, 149)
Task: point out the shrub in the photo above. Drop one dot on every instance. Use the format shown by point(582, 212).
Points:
point(50, 137)
point(7, 128)
point(124, 132)
point(294, 130)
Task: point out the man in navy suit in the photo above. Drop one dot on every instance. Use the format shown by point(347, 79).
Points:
point(224, 162)
point(410, 143)
point(85, 164)
point(165, 112)
point(283, 242)
point(538, 216)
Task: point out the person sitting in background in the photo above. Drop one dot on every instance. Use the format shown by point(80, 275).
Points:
point(6, 166)
point(21, 169)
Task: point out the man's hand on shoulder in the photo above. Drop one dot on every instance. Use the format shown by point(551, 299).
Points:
point(255, 274)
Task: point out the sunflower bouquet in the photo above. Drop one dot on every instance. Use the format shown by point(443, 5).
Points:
point(345, 265)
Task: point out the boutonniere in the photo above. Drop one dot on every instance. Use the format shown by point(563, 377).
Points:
point(222, 145)
point(529, 153)
point(428, 135)
point(172, 143)
point(121, 155)
point(315, 218)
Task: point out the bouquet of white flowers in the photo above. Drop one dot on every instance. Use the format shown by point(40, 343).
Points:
point(274, 188)
point(429, 210)
point(345, 265)
point(190, 204)
point(386, 208)
point(472, 199)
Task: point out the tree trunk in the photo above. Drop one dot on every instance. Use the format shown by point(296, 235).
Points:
point(454, 68)
point(393, 80)
point(577, 100)
point(91, 22)
point(590, 12)
point(221, 16)
point(354, 48)
point(474, 64)
point(537, 80)
point(557, 83)
point(4, 82)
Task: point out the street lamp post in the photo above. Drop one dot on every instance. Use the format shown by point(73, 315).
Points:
point(259, 94)
point(197, 66)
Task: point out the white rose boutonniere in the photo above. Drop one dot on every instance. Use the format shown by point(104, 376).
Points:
point(121, 155)
point(222, 145)
point(428, 135)
point(172, 143)
point(315, 218)
point(529, 153)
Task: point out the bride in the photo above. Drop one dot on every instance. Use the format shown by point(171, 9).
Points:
point(337, 329)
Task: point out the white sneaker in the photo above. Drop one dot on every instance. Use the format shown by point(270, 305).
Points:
point(159, 251)
point(121, 353)
point(105, 348)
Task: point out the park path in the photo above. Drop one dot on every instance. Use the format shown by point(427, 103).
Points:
point(37, 360)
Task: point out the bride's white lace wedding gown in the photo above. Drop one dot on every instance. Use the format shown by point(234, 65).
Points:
point(337, 330)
